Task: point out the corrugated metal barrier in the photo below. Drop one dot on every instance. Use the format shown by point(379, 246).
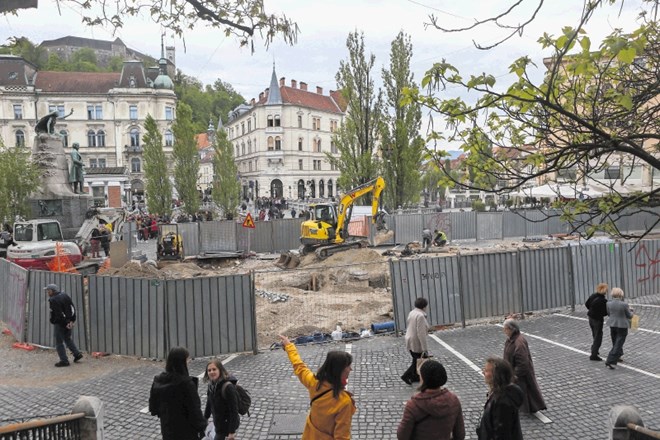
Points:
point(485, 285)
point(13, 297)
point(141, 317)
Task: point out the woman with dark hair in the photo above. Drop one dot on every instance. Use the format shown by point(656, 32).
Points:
point(222, 400)
point(332, 407)
point(175, 401)
point(500, 419)
point(434, 413)
point(417, 328)
point(597, 306)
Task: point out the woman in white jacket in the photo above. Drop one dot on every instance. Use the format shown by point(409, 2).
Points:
point(416, 331)
point(619, 321)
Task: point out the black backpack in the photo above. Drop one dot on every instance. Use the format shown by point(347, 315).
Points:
point(244, 399)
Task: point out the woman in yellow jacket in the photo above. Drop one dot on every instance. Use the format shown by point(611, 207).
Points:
point(332, 407)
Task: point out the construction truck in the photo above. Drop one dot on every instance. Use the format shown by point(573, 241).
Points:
point(40, 244)
point(326, 232)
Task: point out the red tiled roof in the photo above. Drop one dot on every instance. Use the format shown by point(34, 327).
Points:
point(76, 82)
point(202, 141)
point(305, 98)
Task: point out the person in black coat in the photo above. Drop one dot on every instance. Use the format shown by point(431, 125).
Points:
point(500, 419)
point(222, 400)
point(597, 306)
point(175, 401)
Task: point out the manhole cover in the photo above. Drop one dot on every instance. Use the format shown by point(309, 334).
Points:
point(288, 424)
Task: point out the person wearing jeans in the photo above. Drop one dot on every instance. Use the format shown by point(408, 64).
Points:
point(597, 306)
point(619, 322)
point(62, 316)
point(416, 338)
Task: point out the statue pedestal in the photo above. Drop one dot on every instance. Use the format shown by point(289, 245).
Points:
point(56, 199)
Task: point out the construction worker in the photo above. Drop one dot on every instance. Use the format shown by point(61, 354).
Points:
point(427, 237)
point(440, 238)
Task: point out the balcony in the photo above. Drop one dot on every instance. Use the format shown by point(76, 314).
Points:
point(274, 130)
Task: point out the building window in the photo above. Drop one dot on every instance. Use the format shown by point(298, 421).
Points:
point(243, 149)
point(254, 117)
point(317, 145)
point(57, 108)
point(20, 138)
point(93, 163)
point(100, 138)
point(94, 112)
point(169, 113)
point(612, 173)
point(250, 164)
point(18, 111)
point(330, 188)
point(133, 114)
point(135, 137)
point(249, 125)
point(249, 146)
point(91, 138)
point(65, 138)
point(102, 163)
point(271, 143)
point(300, 164)
point(277, 120)
point(333, 126)
point(316, 123)
point(300, 144)
point(169, 138)
point(135, 165)
point(242, 128)
point(333, 147)
point(278, 143)
point(269, 121)
point(299, 121)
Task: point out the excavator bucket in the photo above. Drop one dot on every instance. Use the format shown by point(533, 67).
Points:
point(383, 236)
point(288, 260)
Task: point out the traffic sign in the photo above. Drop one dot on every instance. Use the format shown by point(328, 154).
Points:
point(248, 222)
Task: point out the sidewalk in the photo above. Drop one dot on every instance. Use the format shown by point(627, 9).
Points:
point(579, 393)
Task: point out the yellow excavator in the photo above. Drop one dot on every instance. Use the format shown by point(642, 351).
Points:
point(326, 232)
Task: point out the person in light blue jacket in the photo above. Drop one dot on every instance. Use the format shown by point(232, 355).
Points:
point(619, 321)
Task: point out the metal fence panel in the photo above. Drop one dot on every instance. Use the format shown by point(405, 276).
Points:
point(640, 268)
point(433, 278)
point(218, 236)
point(39, 328)
point(537, 222)
point(13, 297)
point(593, 264)
point(259, 239)
point(189, 232)
point(286, 234)
point(210, 316)
point(489, 226)
point(440, 221)
point(643, 220)
point(545, 278)
point(407, 227)
point(513, 225)
point(127, 316)
point(463, 225)
point(490, 285)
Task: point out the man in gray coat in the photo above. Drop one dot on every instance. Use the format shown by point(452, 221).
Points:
point(416, 338)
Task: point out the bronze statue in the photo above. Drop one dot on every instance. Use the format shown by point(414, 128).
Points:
point(76, 173)
point(47, 123)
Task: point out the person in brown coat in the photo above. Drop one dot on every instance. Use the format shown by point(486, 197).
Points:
point(434, 413)
point(516, 352)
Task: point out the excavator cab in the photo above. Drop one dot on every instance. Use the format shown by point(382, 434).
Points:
point(325, 213)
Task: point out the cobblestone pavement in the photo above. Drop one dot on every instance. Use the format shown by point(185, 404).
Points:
point(579, 393)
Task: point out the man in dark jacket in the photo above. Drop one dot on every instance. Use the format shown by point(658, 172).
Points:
point(6, 240)
point(597, 306)
point(62, 316)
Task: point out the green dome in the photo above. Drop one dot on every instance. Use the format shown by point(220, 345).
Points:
point(163, 81)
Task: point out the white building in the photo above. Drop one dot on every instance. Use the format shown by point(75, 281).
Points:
point(281, 140)
point(109, 110)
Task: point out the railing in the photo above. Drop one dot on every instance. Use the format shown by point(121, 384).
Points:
point(640, 433)
point(65, 427)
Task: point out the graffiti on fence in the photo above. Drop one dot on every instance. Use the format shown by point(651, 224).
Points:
point(440, 221)
point(433, 275)
point(648, 264)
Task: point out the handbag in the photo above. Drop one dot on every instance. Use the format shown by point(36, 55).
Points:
point(634, 323)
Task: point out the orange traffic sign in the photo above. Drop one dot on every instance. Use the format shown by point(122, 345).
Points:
point(248, 222)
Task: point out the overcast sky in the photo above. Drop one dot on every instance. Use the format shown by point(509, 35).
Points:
point(324, 26)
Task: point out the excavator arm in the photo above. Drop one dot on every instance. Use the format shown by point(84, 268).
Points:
point(347, 200)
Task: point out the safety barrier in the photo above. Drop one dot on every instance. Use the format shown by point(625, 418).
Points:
point(64, 427)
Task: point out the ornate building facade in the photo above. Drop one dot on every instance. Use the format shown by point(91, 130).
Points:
point(103, 112)
point(281, 140)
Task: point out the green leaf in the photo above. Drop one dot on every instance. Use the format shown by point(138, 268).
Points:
point(626, 55)
point(625, 101)
point(585, 42)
